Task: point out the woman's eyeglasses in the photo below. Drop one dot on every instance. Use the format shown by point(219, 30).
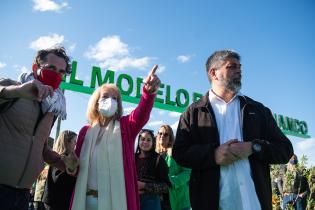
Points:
point(164, 134)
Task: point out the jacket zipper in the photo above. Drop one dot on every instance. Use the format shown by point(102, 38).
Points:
point(26, 163)
point(242, 120)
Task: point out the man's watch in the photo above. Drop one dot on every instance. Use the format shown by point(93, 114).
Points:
point(256, 147)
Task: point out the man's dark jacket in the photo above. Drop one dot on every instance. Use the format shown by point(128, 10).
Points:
point(197, 138)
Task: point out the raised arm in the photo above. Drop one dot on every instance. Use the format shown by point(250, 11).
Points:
point(140, 116)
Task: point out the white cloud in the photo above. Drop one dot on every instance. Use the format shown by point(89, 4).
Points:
point(108, 47)
point(48, 5)
point(114, 54)
point(155, 123)
point(45, 42)
point(2, 65)
point(174, 114)
point(183, 58)
point(127, 62)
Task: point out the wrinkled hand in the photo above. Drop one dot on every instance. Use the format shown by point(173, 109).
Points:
point(241, 149)
point(34, 90)
point(223, 155)
point(152, 82)
point(72, 162)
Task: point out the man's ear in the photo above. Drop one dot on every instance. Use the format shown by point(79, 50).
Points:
point(212, 73)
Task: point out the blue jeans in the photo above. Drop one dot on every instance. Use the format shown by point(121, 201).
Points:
point(299, 203)
point(13, 199)
point(150, 202)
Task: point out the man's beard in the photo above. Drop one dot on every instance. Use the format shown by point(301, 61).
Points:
point(233, 84)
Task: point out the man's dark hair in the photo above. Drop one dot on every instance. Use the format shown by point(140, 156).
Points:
point(219, 57)
point(58, 51)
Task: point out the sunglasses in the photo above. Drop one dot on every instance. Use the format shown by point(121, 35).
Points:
point(164, 134)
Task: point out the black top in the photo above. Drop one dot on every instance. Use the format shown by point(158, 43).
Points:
point(58, 190)
point(153, 171)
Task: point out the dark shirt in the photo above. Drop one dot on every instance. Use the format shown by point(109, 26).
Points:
point(58, 190)
point(153, 171)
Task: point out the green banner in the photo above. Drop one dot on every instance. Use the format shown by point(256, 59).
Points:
point(131, 92)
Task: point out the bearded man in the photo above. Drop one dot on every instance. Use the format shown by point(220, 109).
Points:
point(229, 140)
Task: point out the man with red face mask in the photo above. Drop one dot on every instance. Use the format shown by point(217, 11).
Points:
point(28, 108)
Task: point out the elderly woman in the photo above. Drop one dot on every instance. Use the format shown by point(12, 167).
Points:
point(107, 174)
point(178, 194)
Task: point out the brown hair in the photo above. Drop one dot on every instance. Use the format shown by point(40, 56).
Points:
point(58, 51)
point(60, 145)
point(151, 133)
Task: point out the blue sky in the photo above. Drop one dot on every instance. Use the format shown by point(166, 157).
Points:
point(274, 37)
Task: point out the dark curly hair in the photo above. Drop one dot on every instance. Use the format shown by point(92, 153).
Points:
point(58, 51)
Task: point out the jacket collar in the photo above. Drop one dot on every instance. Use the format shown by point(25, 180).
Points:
point(204, 101)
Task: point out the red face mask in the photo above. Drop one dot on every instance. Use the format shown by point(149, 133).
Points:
point(49, 77)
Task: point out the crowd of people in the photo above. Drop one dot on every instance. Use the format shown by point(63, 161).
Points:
point(219, 158)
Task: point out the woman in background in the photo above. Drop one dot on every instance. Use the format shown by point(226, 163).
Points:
point(178, 194)
point(152, 172)
point(59, 185)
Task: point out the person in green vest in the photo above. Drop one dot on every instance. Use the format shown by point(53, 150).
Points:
point(178, 196)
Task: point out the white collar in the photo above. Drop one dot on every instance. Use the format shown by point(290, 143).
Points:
point(213, 96)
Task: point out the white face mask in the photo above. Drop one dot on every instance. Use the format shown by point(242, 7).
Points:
point(107, 107)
